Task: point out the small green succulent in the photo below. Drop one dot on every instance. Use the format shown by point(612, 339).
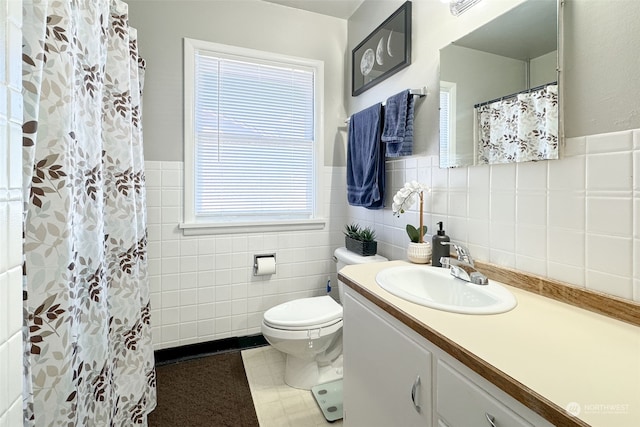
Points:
point(366, 234)
point(352, 230)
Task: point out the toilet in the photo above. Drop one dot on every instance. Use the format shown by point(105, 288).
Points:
point(309, 331)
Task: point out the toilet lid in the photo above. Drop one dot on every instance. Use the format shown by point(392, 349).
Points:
point(304, 313)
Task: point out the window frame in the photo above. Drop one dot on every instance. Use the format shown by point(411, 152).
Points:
point(191, 225)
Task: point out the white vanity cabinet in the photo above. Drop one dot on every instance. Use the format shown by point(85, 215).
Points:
point(387, 379)
point(382, 360)
point(461, 403)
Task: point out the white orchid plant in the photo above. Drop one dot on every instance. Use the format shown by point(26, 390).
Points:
point(403, 200)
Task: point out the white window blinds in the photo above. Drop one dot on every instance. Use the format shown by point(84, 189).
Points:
point(254, 139)
point(448, 157)
point(444, 127)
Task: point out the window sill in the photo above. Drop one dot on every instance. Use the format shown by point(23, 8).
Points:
point(197, 229)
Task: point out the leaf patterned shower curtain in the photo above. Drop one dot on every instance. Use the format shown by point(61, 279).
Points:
point(88, 350)
point(519, 129)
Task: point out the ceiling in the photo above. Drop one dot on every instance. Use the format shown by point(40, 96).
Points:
point(532, 30)
point(338, 8)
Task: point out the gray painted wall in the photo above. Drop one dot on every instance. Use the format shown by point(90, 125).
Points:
point(601, 78)
point(433, 28)
point(601, 65)
point(479, 77)
point(254, 24)
point(543, 69)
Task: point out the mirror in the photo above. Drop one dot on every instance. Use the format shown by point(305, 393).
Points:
point(516, 53)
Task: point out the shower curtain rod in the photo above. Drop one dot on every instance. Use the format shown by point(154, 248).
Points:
point(513, 95)
point(415, 92)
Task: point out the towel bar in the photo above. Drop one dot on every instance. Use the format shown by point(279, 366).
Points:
point(415, 92)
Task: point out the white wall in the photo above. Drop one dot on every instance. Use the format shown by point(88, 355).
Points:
point(202, 287)
point(548, 218)
point(11, 213)
point(575, 219)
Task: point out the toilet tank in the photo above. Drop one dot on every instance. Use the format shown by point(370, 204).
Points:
point(345, 257)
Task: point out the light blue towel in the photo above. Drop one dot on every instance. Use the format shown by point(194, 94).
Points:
point(398, 124)
point(365, 159)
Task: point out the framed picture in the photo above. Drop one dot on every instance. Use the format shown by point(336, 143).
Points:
point(383, 53)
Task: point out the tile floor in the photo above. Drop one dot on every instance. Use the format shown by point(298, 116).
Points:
point(277, 404)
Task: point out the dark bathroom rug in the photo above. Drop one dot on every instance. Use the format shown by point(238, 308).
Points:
point(211, 391)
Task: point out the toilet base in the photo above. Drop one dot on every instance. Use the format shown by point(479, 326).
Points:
point(304, 374)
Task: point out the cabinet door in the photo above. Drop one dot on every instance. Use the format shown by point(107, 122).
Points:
point(387, 375)
point(461, 403)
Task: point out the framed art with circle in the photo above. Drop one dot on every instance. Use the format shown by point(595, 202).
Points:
point(384, 52)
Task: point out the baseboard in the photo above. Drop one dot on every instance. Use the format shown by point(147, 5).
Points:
point(192, 351)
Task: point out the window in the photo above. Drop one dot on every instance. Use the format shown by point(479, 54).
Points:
point(447, 124)
point(252, 140)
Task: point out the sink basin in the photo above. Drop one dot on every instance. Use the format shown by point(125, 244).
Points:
point(436, 288)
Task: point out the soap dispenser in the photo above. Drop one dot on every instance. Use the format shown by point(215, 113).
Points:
point(438, 249)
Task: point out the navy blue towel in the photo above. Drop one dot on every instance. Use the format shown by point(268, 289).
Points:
point(398, 124)
point(365, 159)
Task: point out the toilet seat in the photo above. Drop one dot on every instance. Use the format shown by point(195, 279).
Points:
point(303, 335)
point(304, 314)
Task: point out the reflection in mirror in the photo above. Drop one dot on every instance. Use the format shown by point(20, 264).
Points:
point(509, 64)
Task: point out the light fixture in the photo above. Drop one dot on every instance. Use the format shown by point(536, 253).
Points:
point(457, 7)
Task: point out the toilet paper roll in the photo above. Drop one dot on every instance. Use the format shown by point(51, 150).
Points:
point(265, 265)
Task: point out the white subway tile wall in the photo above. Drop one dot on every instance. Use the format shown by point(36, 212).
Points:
point(10, 214)
point(203, 287)
point(576, 219)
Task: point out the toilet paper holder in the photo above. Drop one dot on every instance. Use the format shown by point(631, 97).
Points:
point(255, 263)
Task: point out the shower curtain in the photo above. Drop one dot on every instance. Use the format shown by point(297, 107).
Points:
point(88, 350)
point(519, 129)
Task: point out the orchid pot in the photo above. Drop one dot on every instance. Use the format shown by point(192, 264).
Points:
point(418, 251)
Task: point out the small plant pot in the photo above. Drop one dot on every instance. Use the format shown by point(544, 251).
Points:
point(419, 253)
point(361, 248)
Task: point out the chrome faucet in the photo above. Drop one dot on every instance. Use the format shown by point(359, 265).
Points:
point(463, 268)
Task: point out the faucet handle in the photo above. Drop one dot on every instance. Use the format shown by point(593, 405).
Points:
point(463, 252)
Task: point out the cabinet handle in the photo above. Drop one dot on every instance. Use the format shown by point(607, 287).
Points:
point(414, 392)
point(490, 418)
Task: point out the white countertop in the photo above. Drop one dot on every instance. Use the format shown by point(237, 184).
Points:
point(566, 354)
